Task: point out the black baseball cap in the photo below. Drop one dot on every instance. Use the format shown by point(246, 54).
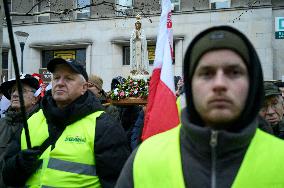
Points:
point(73, 64)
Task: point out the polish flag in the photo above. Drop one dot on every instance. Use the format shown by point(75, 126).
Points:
point(161, 113)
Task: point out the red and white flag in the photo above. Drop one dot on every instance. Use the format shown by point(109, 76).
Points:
point(161, 113)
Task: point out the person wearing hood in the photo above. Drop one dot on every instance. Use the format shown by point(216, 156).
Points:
point(74, 142)
point(218, 143)
point(12, 123)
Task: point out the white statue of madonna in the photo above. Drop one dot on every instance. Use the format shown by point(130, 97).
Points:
point(138, 52)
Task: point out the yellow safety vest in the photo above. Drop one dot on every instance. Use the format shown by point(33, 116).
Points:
point(158, 162)
point(72, 162)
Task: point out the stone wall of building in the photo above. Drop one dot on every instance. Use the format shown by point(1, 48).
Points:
point(105, 38)
point(21, 6)
point(277, 3)
point(277, 48)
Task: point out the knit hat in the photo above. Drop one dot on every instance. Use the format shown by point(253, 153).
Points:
point(218, 39)
point(98, 81)
point(271, 89)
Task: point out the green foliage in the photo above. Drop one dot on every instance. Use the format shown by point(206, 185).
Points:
point(138, 88)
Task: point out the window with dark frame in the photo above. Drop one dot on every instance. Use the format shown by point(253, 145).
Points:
point(151, 54)
point(175, 5)
point(43, 6)
point(5, 56)
point(122, 6)
point(10, 5)
point(126, 55)
point(219, 4)
point(46, 56)
point(85, 12)
point(78, 54)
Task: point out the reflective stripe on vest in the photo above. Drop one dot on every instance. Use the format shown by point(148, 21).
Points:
point(158, 162)
point(72, 162)
point(72, 167)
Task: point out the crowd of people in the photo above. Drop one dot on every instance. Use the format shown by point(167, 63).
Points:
point(230, 133)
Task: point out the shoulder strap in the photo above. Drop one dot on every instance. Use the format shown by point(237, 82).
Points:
point(51, 140)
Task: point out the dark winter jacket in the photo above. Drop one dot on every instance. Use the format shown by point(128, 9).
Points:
point(200, 169)
point(113, 111)
point(137, 130)
point(278, 130)
point(264, 125)
point(111, 149)
point(129, 115)
point(10, 125)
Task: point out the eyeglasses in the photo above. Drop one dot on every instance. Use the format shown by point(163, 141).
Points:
point(25, 91)
point(101, 91)
point(90, 84)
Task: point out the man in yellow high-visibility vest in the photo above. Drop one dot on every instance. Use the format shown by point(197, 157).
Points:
point(74, 142)
point(218, 143)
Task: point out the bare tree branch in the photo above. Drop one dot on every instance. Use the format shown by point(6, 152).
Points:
point(250, 6)
point(36, 4)
point(67, 11)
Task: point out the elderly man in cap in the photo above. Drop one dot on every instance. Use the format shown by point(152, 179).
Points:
point(12, 123)
point(218, 143)
point(75, 144)
point(273, 109)
point(95, 85)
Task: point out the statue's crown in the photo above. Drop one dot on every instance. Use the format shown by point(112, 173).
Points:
point(138, 18)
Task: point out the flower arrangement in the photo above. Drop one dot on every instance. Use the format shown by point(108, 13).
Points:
point(138, 88)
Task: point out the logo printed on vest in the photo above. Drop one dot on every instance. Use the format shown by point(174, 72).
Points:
point(75, 139)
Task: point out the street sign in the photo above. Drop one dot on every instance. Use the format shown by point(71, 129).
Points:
point(46, 75)
point(279, 35)
point(279, 27)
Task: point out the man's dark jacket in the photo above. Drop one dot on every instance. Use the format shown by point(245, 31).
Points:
point(278, 130)
point(111, 149)
point(11, 125)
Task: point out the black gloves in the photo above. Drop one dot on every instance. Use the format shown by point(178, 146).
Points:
point(28, 160)
point(18, 168)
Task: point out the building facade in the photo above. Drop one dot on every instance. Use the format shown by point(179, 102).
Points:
point(98, 35)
